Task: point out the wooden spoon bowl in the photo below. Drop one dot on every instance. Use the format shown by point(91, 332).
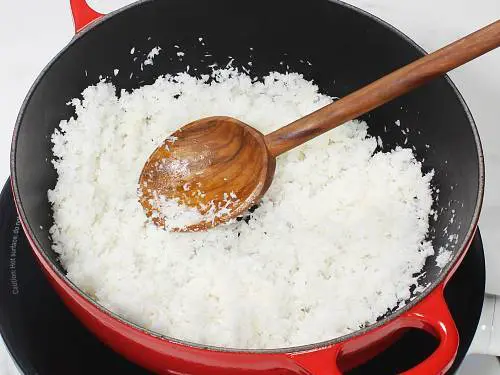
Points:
point(216, 162)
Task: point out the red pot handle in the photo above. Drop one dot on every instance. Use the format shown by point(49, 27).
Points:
point(83, 14)
point(431, 315)
point(320, 362)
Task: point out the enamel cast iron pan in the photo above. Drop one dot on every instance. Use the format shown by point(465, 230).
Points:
point(339, 47)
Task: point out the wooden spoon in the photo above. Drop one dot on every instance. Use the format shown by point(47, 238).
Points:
point(222, 166)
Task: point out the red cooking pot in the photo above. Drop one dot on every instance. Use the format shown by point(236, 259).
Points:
point(347, 49)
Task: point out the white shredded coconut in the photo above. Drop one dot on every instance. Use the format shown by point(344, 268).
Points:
point(443, 257)
point(334, 243)
point(177, 215)
point(151, 55)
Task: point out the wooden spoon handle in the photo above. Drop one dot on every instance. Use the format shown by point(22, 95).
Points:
point(385, 89)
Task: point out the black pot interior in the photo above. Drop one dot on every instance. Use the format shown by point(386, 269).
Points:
point(338, 47)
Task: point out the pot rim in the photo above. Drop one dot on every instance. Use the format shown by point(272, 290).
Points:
point(442, 279)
